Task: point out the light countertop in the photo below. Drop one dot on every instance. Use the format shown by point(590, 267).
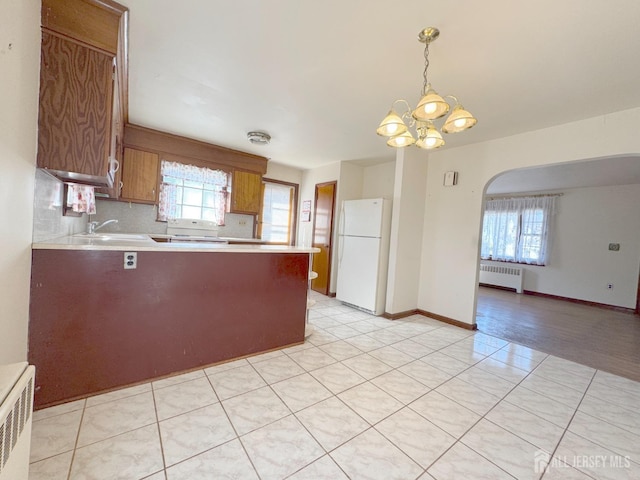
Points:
point(176, 238)
point(142, 242)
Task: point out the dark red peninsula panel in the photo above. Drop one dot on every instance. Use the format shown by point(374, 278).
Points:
point(95, 326)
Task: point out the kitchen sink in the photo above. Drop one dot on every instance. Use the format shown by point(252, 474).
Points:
point(115, 236)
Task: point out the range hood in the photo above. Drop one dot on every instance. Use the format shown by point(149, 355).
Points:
point(73, 177)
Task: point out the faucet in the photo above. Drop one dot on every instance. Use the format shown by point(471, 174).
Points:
point(93, 226)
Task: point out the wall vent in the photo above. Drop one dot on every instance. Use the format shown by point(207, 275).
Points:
point(18, 407)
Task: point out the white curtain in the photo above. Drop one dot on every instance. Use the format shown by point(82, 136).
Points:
point(213, 202)
point(518, 229)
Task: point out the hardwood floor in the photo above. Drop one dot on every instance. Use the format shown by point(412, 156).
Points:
point(604, 339)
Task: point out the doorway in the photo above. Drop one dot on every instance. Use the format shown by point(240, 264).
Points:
point(576, 323)
point(324, 209)
point(277, 224)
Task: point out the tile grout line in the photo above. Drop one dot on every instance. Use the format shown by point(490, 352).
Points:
point(459, 439)
point(75, 445)
point(370, 381)
point(155, 409)
point(516, 384)
point(238, 437)
point(482, 417)
point(566, 429)
point(372, 426)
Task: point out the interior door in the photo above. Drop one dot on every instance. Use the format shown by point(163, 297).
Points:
point(325, 198)
point(638, 297)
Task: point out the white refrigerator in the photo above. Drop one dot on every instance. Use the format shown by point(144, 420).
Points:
point(364, 229)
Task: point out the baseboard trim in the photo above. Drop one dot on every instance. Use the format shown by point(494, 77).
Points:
point(450, 321)
point(396, 316)
point(580, 302)
point(497, 287)
point(332, 294)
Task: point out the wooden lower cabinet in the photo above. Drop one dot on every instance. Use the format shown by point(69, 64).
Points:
point(246, 192)
point(139, 176)
point(95, 326)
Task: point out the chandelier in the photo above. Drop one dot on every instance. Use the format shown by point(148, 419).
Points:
point(431, 107)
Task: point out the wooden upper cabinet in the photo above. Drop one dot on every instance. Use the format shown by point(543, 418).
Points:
point(82, 87)
point(74, 122)
point(140, 176)
point(246, 189)
point(92, 22)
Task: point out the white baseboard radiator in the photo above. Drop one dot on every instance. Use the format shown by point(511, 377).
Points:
point(501, 276)
point(16, 408)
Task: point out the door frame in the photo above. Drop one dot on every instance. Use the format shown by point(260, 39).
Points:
point(293, 223)
point(638, 297)
point(333, 218)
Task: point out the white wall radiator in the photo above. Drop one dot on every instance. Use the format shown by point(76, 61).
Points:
point(15, 420)
point(501, 276)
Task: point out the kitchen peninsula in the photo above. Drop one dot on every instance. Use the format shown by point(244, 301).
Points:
point(97, 325)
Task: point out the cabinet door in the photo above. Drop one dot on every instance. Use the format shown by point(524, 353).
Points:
point(245, 192)
point(115, 143)
point(139, 176)
point(74, 120)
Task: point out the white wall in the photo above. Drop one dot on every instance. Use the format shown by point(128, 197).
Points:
point(310, 178)
point(284, 173)
point(406, 230)
point(354, 182)
point(378, 180)
point(349, 183)
point(452, 221)
point(19, 70)
point(581, 265)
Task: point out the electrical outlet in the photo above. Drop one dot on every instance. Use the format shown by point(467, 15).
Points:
point(614, 247)
point(130, 260)
point(610, 286)
point(242, 223)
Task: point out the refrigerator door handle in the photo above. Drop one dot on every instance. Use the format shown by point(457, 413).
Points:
point(340, 249)
point(341, 226)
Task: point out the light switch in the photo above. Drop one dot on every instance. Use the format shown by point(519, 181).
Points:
point(450, 179)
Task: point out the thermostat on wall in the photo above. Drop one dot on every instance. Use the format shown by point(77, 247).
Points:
point(450, 179)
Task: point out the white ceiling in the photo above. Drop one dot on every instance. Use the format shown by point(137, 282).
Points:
point(320, 75)
point(603, 172)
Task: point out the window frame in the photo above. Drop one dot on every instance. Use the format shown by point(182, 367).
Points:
point(294, 211)
point(199, 164)
point(520, 235)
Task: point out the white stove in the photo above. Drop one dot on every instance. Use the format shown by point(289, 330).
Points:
point(192, 230)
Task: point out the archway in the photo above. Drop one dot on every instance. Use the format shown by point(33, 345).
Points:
point(594, 262)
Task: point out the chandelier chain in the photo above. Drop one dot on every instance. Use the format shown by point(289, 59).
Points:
point(426, 67)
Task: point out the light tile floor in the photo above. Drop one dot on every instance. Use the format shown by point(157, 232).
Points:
point(363, 398)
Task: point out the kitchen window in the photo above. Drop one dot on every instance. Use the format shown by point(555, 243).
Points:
point(518, 229)
point(189, 191)
point(277, 223)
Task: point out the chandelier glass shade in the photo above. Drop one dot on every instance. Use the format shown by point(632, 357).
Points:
point(397, 126)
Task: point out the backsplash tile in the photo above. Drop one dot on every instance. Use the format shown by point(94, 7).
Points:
point(132, 217)
point(48, 221)
point(139, 218)
point(237, 226)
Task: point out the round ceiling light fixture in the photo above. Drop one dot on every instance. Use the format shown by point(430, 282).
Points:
point(259, 138)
